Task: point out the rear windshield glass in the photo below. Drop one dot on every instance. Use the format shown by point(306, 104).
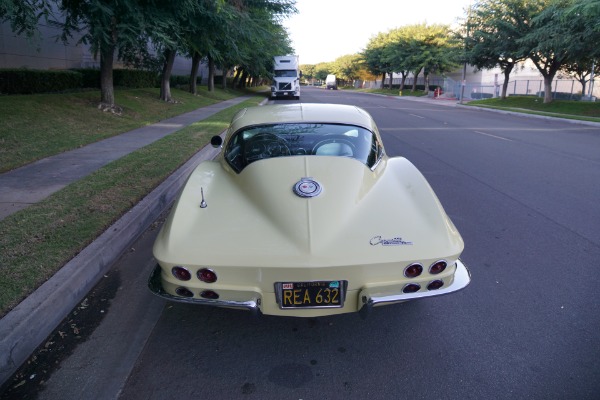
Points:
point(288, 140)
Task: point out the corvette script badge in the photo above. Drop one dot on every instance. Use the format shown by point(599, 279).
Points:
point(397, 241)
point(307, 187)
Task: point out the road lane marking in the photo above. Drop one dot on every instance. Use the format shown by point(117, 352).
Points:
point(418, 116)
point(494, 136)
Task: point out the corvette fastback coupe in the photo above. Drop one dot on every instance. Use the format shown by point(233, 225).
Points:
point(303, 214)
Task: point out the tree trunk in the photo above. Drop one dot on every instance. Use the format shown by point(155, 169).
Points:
point(507, 70)
point(382, 80)
point(583, 85)
point(243, 80)
point(548, 89)
point(194, 73)
point(165, 84)
point(416, 76)
point(225, 73)
point(236, 78)
point(211, 74)
point(403, 80)
point(107, 91)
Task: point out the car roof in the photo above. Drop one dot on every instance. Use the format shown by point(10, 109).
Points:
point(303, 113)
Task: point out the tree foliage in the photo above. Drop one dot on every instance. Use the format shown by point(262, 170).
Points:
point(553, 34)
point(491, 32)
point(150, 33)
point(24, 15)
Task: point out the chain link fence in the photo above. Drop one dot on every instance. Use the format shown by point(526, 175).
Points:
point(562, 89)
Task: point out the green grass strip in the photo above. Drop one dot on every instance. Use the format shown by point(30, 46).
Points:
point(577, 110)
point(37, 241)
point(33, 127)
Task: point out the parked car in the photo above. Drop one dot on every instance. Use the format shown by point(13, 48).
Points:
point(303, 214)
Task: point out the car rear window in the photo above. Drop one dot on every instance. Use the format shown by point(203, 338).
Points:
point(288, 140)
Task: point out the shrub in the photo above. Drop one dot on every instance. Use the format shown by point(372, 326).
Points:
point(29, 81)
point(133, 78)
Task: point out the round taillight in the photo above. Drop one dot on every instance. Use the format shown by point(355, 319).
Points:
point(209, 294)
point(438, 267)
point(434, 285)
point(181, 273)
point(206, 275)
point(183, 292)
point(413, 270)
point(411, 288)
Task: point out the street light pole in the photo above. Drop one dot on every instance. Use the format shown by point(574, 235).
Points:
point(464, 73)
point(591, 89)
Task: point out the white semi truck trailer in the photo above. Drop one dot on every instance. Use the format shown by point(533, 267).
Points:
point(286, 77)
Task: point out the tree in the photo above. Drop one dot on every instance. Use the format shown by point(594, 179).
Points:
point(582, 71)
point(491, 31)
point(555, 40)
point(429, 49)
point(108, 26)
point(375, 59)
point(308, 72)
point(347, 67)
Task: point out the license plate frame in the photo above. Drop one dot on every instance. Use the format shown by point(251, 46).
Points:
point(320, 294)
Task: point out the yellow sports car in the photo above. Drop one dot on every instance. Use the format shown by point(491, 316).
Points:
point(303, 214)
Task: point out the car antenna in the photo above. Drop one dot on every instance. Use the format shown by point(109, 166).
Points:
point(202, 203)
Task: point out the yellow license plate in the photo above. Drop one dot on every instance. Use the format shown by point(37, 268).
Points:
point(316, 294)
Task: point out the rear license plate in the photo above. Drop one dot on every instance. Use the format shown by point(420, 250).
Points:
point(317, 294)
point(285, 93)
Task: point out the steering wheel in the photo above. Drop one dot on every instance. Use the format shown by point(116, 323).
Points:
point(265, 145)
point(335, 145)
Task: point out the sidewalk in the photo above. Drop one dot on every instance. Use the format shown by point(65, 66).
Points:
point(24, 328)
point(34, 182)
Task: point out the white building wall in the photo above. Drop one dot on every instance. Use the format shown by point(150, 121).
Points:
point(46, 52)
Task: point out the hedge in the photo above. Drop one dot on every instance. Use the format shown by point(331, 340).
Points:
point(29, 81)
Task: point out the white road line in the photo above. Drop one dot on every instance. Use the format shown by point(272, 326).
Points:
point(418, 116)
point(494, 136)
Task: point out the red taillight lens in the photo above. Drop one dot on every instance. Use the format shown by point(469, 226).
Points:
point(438, 267)
point(411, 288)
point(183, 292)
point(434, 285)
point(413, 270)
point(209, 294)
point(181, 273)
point(207, 275)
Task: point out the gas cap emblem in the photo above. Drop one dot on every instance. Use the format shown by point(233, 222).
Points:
point(307, 187)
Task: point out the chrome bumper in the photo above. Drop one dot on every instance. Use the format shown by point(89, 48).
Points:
point(367, 300)
point(462, 277)
point(155, 285)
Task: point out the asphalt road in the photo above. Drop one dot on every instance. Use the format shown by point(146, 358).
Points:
point(524, 194)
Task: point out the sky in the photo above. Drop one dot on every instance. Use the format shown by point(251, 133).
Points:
point(324, 30)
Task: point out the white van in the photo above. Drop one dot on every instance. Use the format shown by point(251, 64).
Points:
point(330, 82)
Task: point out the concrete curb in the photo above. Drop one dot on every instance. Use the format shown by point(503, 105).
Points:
point(545, 117)
point(24, 328)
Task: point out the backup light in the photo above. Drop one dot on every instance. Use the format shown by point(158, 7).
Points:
point(209, 294)
point(183, 292)
point(411, 288)
point(435, 285)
